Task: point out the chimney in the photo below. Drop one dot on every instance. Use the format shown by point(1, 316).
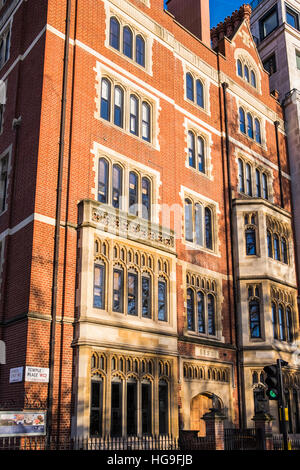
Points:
point(193, 15)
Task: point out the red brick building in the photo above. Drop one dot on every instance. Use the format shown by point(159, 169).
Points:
point(147, 254)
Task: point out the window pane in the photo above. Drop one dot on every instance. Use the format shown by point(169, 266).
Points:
point(211, 315)
point(239, 68)
point(99, 286)
point(118, 291)
point(189, 87)
point(163, 408)
point(162, 300)
point(134, 115)
point(201, 159)
point(257, 131)
point(253, 79)
point(188, 220)
point(270, 64)
point(198, 224)
point(133, 193)
point(265, 186)
point(269, 24)
point(258, 186)
point(281, 324)
point(208, 229)
point(146, 122)
point(146, 199)
point(146, 297)
point(127, 42)
point(292, 18)
point(140, 51)
point(114, 38)
point(250, 242)
point(199, 89)
point(242, 121)
point(116, 409)
point(190, 310)
point(103, 181)
point(270, 247)
point(117, 186)
point(250, 125)
point(248, 179)
point(276, 247)
point(119, 106)
point(241, 177)
point(191, 146)
point(201, 319)
point(289, 335)
point(246, 73)
point(254, 313)
point(96, 408)
point(131, 408)
point(146, 408)
point(284, 251)
point(105, 99)
point(274, 321)
point(132, 294)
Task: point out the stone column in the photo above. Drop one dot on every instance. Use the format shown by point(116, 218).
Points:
point(263, 426)
point(214, 421)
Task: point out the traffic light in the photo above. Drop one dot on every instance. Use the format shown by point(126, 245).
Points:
point(272, 381)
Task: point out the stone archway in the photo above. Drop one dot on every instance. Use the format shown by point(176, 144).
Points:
point(200, 405)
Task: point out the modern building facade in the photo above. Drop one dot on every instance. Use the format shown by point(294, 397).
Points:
point(147, 253)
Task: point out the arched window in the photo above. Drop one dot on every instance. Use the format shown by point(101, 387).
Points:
point(276, 247)
point(208, 228)
point(146, 121)
point(117, 178)
point(250, 125)
point(199, 91)
point(132, 293)
point(257, 131)
point(239, 68)
point(246, 73)
point(201, 317)
point(258, 184)
point(270, 246)
point(289, 333)
point(188, 220)
point(248, 180)
point(242, 121)
point(241, 176)
point(146, 295)
point(103, 181)
point(114, 37)
point(140, 50)
point(146, 199)
point(189, 87)
point(250, 242)
point(127, 42)
point(134, 115)
point(274, 321)
point(163, 399)
point(198, 224)
point(190, 310)
point(118, 289)
point(133, 193)
point(254, 315)
point(105, 99)
point(96, 407)
point(284, 252)
point(265, 186)
point(119, 106)
point(99, 286)
point(253, 79)
point(282, 333)
point(211, 315)
point(131, 407)
point(162, 300)
point(201, 156)
point(191, 149)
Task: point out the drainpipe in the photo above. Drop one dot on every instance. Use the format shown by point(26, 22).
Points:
point(58, 221)
point(239, 354)
point(276, 124)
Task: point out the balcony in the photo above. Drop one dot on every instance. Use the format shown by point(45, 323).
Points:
point(116, 222)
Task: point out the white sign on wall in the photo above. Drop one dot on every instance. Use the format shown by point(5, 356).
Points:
point(37, 374)
point(16, 375)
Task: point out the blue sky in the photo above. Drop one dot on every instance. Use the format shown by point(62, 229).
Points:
point(219, 9)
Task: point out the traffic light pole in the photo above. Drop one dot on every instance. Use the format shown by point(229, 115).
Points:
point(281, 403)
